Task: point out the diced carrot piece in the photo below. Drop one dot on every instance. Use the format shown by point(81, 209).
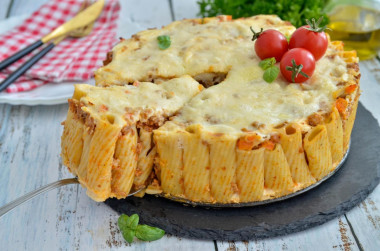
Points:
point(350, 89)
point(341, 105)
point(268, 145)
point(247, 142)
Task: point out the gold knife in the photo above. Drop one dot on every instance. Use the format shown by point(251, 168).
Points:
point(82, 19)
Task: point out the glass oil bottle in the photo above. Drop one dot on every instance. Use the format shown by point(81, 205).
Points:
point(357, 24)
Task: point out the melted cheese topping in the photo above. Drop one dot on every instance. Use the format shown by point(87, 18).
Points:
point(115, 102)
point(195, 48)
point(244, 100)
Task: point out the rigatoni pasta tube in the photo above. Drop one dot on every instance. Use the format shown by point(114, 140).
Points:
point(82, 168)
point(124, 166)
point(145, 158)
point(222, 167)
point(276, 171)
point(250, 174)
point(335, 134)
point(291, 143)
point(196, 171)
point(72, 142)
point(169, 147)
point(349, 124)
point(317, 147)
point(100, 159)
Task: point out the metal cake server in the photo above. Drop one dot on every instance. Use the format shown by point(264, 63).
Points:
point(8, 207)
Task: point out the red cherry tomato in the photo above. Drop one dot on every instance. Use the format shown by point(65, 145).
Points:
point(297, 64)
point(315, 42)
point(271, 43)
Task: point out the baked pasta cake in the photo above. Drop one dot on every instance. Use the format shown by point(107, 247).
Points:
point(196, 121)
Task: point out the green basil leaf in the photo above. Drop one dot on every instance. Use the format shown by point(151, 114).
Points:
point(128, 235)
point(163, 42)
point(266, 63)
point(148, 233)
point(124, 222)
point(271, 74)
point(132, 222)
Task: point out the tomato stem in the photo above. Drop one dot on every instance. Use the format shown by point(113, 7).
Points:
point(314, 26)
point(296, 69)
point(256, 34)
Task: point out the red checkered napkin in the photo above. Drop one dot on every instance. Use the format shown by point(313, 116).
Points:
point(74, 59)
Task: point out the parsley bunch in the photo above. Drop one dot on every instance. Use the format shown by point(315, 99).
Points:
point(295, 11)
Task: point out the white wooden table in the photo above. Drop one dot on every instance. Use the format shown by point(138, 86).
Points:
point(66, 219)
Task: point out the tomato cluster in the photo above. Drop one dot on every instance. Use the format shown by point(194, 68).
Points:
point(297, 58)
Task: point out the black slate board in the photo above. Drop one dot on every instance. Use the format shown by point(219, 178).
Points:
point(358, 176)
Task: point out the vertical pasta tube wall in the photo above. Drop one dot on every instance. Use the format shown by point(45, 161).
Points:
point(124, 166)
point(335, 134)
point(169, 147)
point(276, 171)
point(250, 174)
point(349, 125)
point(291, 143)
point(317, 147)
point(72, 142)
point(101, 152)
point(222, 168)
point(196, 171)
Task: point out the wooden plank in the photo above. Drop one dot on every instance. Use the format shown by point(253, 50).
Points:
point(370, 89)
point(146, 13)
point(333, 235)
point(30, 149)
point(5, 5)
point(185, 9)
point(365, 221)
point(373, 67)
point(135, 16)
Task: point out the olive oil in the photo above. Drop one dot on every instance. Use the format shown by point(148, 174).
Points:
point(358, 27)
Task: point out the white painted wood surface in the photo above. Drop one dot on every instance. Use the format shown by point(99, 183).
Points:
point(66, 219)
point(4, 8)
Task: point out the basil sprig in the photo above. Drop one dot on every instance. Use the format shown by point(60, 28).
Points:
point(163, 42)
point(271, 71)
point(129, 227)
point(148, 233)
